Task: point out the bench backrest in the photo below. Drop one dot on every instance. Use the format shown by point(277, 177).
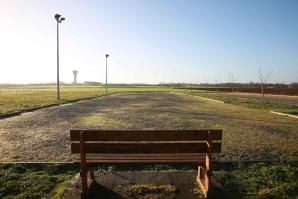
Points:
point(145, 141)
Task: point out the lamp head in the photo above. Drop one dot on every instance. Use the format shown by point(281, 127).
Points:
point(62, 19)
point(57, 16)
point(107, 55)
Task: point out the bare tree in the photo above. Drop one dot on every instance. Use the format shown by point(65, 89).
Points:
point(216, 83)
point(206, 84)
point(231, 80)
point(263, 78)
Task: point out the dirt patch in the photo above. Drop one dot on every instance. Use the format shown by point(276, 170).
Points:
point(137, 184)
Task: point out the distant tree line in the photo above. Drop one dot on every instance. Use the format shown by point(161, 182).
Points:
point(236, 85)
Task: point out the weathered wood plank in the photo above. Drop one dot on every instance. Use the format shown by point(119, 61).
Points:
point(146, 135)
point(145, 148)
point(145, 158)
point(116, 161)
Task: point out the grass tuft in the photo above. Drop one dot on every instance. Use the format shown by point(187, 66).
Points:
point(142, 189)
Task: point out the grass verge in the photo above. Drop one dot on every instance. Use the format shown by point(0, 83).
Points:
point(35, 180)
point(238, 180)
point(244, 102)
point(259, 180)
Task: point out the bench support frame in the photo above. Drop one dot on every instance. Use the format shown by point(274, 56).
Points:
point(204, 172)
point(87, 173)
point(87, 181)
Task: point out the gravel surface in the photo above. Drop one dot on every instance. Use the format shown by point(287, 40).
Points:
point(43, 135)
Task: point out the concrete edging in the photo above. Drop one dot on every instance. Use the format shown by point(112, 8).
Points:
point(204, 98)
point(284, 114)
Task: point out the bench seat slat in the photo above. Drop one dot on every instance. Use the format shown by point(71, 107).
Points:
point(144, 158)
point(105, 155)
point(145, 148)
point(146, 135)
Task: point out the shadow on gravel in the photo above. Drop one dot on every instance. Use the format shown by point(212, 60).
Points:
point(104, 192)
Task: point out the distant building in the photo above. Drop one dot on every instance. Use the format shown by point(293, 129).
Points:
point(75, 73)
point(92, 83)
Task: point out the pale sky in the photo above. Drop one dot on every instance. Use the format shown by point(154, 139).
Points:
point(149, 41)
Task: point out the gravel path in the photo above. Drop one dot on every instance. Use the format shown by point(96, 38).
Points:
point(43, 135)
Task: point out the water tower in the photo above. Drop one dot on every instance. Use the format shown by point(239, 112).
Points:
point(75, 73)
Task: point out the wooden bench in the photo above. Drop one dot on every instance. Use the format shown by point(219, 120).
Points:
point(145, 146)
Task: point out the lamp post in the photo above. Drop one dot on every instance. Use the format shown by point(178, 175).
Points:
point(59, 19)
point(107, 72)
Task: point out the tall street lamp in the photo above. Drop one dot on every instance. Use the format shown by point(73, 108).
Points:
point(59, 19)
point(107, 72)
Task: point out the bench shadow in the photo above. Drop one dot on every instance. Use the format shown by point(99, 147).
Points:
point(220, 193)
point(217, 191)
point(103, 192)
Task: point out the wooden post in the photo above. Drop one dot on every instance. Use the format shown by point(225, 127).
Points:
point(83, 169)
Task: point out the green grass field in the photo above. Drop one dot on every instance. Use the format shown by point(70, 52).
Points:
point(249, 103)
point(19, 99)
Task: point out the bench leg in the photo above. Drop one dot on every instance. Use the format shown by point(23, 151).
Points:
point(88, 180)
point(199, 171)
point(206, 184)
point(92, 174)
point(203, 180)
point(207, 180)
point(91, 179)
point(84, 184)
point(84, 166)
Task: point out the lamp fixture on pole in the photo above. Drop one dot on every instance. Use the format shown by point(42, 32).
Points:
point(107, 55)
point(59, 19)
